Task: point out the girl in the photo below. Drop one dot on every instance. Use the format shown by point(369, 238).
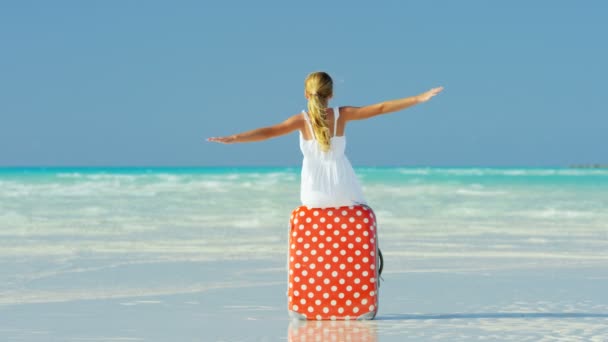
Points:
point(328, 179)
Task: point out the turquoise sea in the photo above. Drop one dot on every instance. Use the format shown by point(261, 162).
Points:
point(131, 234)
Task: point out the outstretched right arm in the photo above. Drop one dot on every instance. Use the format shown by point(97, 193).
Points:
point(366, 112)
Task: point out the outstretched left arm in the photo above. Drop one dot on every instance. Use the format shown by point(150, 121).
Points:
point(264, 133)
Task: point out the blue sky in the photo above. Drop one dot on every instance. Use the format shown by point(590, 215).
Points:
point(95, 83)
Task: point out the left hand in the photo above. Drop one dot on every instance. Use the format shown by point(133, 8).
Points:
point(223, 140)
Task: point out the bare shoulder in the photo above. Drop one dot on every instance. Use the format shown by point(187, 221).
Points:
point(348, 113)
point(294, 122)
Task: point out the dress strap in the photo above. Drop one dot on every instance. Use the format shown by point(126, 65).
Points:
point(312, 131)
point(336, 116)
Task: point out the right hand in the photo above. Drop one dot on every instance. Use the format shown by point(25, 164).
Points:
point(427, 95)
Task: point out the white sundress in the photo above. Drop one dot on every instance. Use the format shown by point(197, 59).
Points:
point(328, 178)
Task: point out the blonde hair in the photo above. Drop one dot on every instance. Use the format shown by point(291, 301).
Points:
point(319, 88)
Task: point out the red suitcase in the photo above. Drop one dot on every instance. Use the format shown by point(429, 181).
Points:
point(333, 263)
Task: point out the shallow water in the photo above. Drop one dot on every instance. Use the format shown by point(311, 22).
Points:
point(102, 242)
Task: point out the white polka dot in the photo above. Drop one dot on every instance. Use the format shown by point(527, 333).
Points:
point(313, 252)
point(333, 303)
point(366, 220)
point(351, 232)
point(294, 234)
point(342, 266)
point(330, 213)
point(373, 267)
point(296, 293)
point(356, 295)
point(340, 310)
point(311, 309)
point(297, 265)
point(327, 251)
point(295, 221)
point(344, 226)
point(312, 266)
point(319, 318)
point(304, 273)
point(351, 246)
point(371, 308)
point(372, 253)
point(343, 239)
point(298, 252)
point(333, 318)
point(316, 213)
point(349, 302)
point(372, 293)
point(307, 246)
point(337, 219)
point(341, 295)
point(358, 226)
point(355, 309)
point(357, 266)
point(342, 281)
point(302, 301)
point(321, 232)
point(329, 226)
point(336, 245)
point(310, 294)
point(307, 233)
point(335, 259)
point(326, 281)
point(351, 220)
point(349, 288)
point(372, 280)
point(358, 239)
point(305, 259)
point(291, 259)
point(308, 219)
point(319, 274)
point(357, 252)
point(303, 287)
point(343, 252)
point(322, 219)
point(328, 239)
point(318, 288)
point(314, 239)
point(293, 246)
point(364, 301)
point(349, 259)
point(334, 274)
point(349, 274)
point(301, 227)
point(357, 280)
point(302, 213)
point(364, 287)
point(290, 271)
point(365, 273)
point(311, 280)
point(365, 260)
point(334, 288)
point(344, 212)
point(359, 213)
point(325, 310)
point(336, 232)
point(315, 226)
point(325, 295)
point(295, 308)
point(327, 266)
point(318, 302)
point(320, 259)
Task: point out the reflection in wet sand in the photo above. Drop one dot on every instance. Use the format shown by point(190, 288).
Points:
point(352, 331)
